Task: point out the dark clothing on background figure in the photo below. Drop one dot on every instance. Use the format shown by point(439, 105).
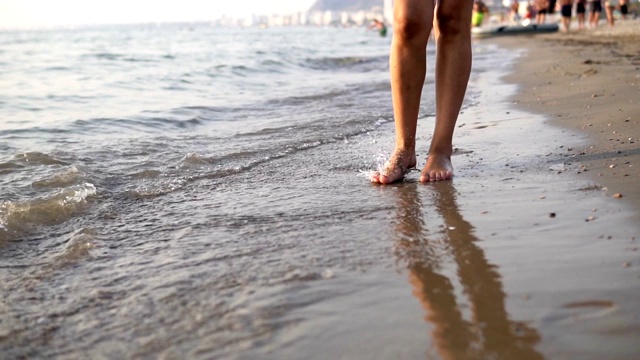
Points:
point(624, 10)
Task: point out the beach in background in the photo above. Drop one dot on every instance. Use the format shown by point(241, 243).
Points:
point(589, 82)
point(160, 199)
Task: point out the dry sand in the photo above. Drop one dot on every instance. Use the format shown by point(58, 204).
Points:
point(589, 81)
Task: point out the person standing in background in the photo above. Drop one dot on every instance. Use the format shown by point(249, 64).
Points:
point(624, 9)
point(531, 14)
point(566, 7)
point(580, 11)
point(542, 7)
point(595, 8)
point(609, 6)
point(551, 10)
point(480, 12)
point(514, 17)
point(413, 22)
point(379, 26)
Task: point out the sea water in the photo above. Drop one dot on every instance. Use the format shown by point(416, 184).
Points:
point(129, 112)
point(160, 183)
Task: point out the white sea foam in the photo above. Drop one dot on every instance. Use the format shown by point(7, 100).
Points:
point(79, 193)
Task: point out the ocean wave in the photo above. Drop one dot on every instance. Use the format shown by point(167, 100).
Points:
point(38, 158)
point(146, 174)
point(9, 167)
point(346, 63)
point(31, 132)
point(247, 68)
point(77, 247)
point(142, 124)
point(106, 56)
point(20, 217)
point(140, 59)
point(67, 178)
point(195, 159)
point(156, 188)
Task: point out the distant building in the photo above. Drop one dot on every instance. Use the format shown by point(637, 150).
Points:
point(379, 10)
point(387, 10)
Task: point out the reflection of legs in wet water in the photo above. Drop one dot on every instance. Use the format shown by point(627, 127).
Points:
point(491, 333)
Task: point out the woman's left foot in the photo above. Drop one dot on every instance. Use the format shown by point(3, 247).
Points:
point(438, 168)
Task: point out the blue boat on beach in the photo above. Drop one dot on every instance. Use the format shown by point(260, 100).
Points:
point(502, 30)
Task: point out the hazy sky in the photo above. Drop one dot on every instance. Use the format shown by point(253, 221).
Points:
point(30, 13)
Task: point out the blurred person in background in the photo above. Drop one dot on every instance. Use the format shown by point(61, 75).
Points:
point(542, 7)
point(581, 9)
point(514, 16)
point(624, 9)
point(480, 12)
point(566, 8)
point(609, 7)
point(595, 8)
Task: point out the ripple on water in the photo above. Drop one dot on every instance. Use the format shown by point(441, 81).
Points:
point(38, 158)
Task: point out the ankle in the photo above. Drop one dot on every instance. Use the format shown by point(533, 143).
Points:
point(441, 151)
point(404, 151)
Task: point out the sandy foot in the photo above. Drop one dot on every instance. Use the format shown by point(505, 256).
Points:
point(396, 168)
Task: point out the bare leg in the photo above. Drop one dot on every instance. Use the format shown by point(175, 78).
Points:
point(609, 11)
point(595, 18)
point(453, 66)
point(580, 21)
point(566, 23)
point(413, 21)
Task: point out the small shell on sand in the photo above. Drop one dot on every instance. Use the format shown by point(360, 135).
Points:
point(617, 195)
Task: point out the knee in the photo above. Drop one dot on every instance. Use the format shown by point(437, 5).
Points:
point(452, 23)
point(411, 28)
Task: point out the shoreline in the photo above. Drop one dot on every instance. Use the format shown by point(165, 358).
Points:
point(587, 82)
point(479, 266)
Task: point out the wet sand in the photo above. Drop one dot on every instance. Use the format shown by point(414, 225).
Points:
point(526, 253)
point(589, 82)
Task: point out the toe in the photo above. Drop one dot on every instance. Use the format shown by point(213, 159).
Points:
point(389, 178)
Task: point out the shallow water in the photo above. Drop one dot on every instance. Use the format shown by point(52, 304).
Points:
point(199, 192)
point(162, 174)
point(121, 113)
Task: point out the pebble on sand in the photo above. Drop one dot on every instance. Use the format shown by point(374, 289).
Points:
point(617, 195)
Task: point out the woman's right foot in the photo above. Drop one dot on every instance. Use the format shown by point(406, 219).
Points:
point(395, 168)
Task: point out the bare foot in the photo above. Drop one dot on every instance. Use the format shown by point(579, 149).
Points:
point(395, 169)
point(438, 168)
